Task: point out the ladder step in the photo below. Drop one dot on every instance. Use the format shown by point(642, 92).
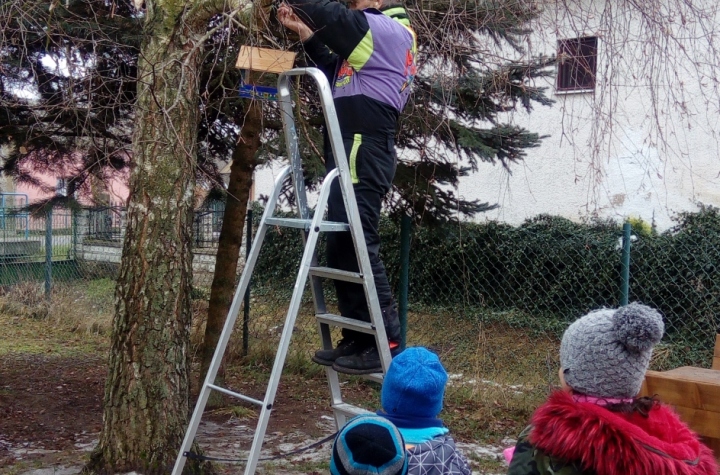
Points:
point(234, 394)
point(325, 226)
point(349, 410)
point(337, 274)
point(343, 322)
point(374, 377)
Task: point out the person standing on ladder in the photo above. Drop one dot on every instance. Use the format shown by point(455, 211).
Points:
point(367, 52)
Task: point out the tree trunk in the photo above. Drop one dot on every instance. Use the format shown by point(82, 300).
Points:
point(147, 394)
point(231, 234)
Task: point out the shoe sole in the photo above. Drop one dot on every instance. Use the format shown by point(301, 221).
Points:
point(344, 370)
point(321, 361)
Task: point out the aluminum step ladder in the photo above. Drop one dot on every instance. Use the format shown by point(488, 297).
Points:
point(312, 227)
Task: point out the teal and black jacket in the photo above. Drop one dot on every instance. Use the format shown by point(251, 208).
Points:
point(368, 57)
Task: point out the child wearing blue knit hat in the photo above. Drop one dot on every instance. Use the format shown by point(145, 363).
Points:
point(412, 397)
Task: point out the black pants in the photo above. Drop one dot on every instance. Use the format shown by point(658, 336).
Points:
point(372, 165)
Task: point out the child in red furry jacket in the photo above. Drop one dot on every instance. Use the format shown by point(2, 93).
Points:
point(596, 424)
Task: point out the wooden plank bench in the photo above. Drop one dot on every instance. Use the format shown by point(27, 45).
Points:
point(694, 393)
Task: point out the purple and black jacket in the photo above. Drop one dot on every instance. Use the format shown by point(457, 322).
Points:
point(369, 59)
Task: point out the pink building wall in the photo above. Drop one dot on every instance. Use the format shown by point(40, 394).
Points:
point(116, 189)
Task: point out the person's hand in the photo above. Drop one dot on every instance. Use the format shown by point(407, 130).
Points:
point(291, 21)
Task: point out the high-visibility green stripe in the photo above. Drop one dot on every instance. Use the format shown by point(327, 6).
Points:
point(394, 11)
point(399, 15)
point(357, 141)
point(362, 52)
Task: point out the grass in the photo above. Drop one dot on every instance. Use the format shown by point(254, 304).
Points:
point(239, 412)
point(58, 252)
point(67, 324)
point(22, 467)
point(66, 458)
point(309, 466)
point(486, 465)
point(498, 374)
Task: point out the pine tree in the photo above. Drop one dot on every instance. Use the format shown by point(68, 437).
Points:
point(454, 119)
point(75, 64)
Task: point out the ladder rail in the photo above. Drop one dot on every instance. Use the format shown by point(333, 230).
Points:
point(291, 141)
point(292, 144)
point(229, 324)
point(288, 328)
point(350, 202)
point(341, 163)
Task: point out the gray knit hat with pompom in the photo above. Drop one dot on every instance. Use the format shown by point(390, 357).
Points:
point(606, 352)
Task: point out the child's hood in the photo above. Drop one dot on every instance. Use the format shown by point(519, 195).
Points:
point(438, 456)
point(610, 443)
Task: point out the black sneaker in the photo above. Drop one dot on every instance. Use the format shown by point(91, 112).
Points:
point(345, 347)
point(365, 362)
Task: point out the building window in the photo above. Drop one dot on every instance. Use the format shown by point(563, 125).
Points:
point(61, 187)
point(577, 63)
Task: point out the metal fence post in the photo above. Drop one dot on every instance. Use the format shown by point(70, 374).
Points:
point(625, 266)
point(48, 252)
point(246, 309)
point(74, 227)
point(405, 226)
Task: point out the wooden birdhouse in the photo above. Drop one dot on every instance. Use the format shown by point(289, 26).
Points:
point(262, 60)
point(265, 59)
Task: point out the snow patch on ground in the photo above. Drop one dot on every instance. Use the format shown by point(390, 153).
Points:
point(233, 439)
point(283, 465)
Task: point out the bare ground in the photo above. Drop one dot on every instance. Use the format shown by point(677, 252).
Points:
point(51, 414)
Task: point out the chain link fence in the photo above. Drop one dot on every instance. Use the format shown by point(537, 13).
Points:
point(492, 299)
point(544, 274)
point(538, 276)
point(32, 245)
